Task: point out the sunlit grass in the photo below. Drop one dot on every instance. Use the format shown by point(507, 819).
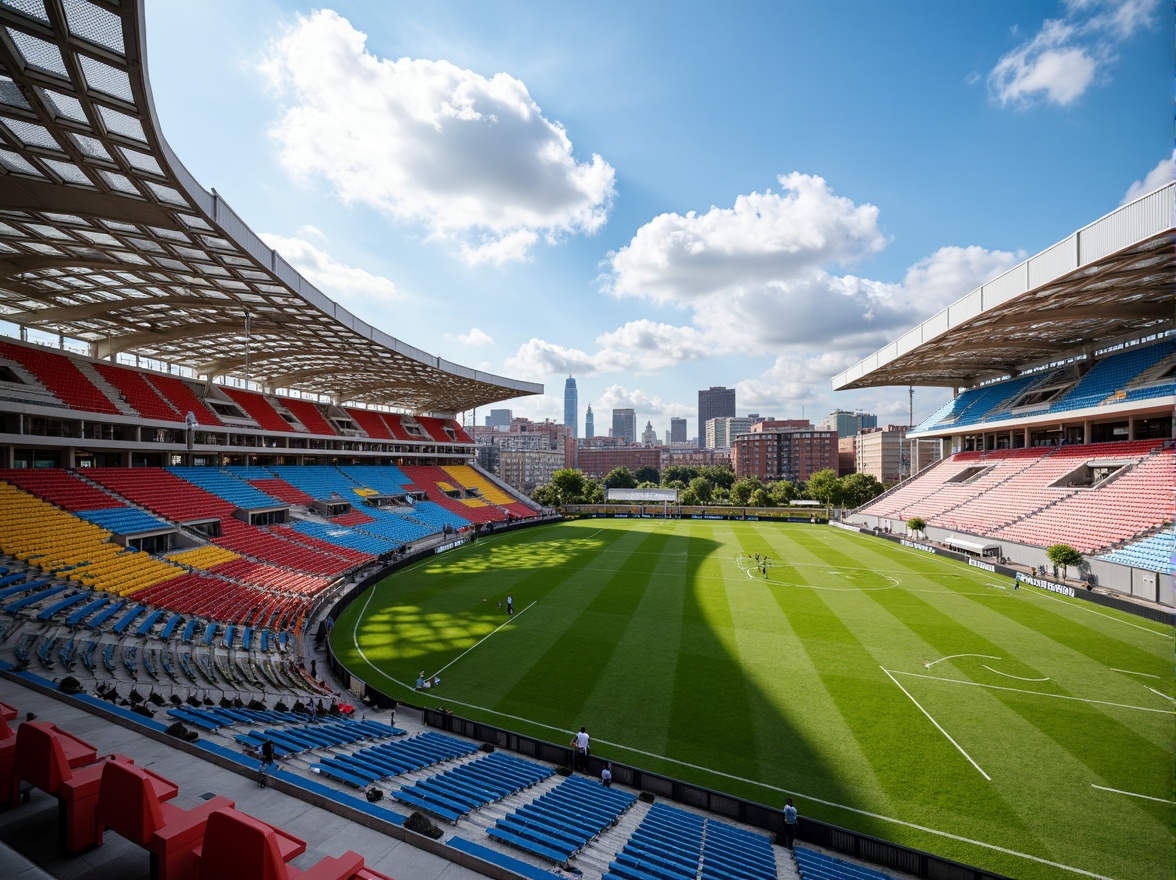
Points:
point(680, 657)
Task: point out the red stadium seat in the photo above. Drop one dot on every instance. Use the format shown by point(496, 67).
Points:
point(132, 802)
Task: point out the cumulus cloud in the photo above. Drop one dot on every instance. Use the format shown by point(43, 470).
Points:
point(475, 337)
point(430, 142)
point(1164, 172)
point(1060, 62)
point(619, 397)
point(338, 280)
point(675, 258)
point(759, 276)
point(537, 357)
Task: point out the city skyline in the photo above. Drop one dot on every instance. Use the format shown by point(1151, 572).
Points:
point(658, 223)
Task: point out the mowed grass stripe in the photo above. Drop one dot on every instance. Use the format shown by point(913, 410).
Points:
point(834, 725)
point(578, 658)
point(630, 703)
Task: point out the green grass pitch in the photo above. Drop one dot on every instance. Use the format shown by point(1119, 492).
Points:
point(888, 690)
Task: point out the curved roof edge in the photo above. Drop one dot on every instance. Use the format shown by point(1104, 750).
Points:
point(218, 211)
point(1052, 302)
point(108, 239)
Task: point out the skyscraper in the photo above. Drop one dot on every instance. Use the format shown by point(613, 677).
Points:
point(571, 406)
point(589, 423)
point(625, 424)
point(677, 430)
point(847, 424)
point(716, 403)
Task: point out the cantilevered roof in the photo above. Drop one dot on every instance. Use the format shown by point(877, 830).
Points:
point(1112, 279)
point(106, 238)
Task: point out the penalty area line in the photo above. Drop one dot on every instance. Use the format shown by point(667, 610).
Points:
point(1146, 797)
point(479, 641)
point(936, 723)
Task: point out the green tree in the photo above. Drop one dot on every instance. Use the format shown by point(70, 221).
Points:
point(620, 478)
point(688, 498)
point(647, 474)
point(718, 476)
point(761, 498)
point(1063, 555)
point(568, 486)
point(825, 486)
point(721, 496)
point(783, 492)
point(860, 488)
point(593, 492)
point(916, 524)
point(701, 488)
point(741, 490)
point(646, 484)
point(678, 472)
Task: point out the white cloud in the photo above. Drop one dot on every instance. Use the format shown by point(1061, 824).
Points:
point(475, 337)
point(757, 277)
point(537, 357)
point(619, 397)
point(675, 258)
point(337, 280)
point(430, 142)
point(1164, 172)
point(1068, 54)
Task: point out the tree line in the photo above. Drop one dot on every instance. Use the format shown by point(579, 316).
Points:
point(710, 485)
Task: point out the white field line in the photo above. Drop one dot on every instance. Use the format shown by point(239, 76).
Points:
point(1081, 606)
point(1007, 675)
point(1129, 672)
point(936, 723)
point(1158, 694)
point(479, 641)
point(999, 687)
point(1146, 797)
point(953, 656)
point(798, 794)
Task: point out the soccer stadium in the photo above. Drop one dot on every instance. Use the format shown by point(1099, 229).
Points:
point(262, 614)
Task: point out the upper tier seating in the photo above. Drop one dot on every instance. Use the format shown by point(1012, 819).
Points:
point(61, 376)
point(258, 408)
point(307, 413)
point(272, 486)
point(138, 394)
point(434, 480)
point(1120, 377)
point(370, 422)
point(440, 430)
point(183, 398)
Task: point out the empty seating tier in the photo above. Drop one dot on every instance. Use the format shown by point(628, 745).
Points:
point(61, 376)
point(258, 408)
point(138, 394)
point(561, 822)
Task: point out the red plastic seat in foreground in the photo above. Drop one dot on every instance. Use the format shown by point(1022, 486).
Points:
point(239, 847)
point(61, 764)
point(132, 802)
point(7, 756)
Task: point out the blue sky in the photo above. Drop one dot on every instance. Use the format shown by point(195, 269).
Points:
point(660, 197)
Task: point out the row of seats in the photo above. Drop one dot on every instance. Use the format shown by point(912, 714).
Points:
point(560, 823)
point(162, 397)
point(673, 844)
point(1012, 495)
point(1126, 376)
point(1156, 553)
point(210, 841)
point(365, 766)
point(458, 792)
